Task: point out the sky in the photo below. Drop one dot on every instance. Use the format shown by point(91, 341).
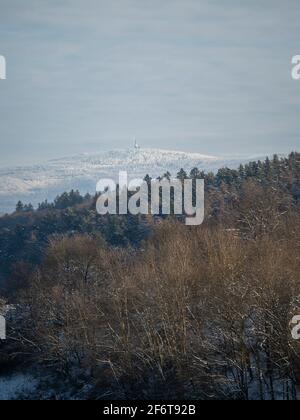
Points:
point(209, 76)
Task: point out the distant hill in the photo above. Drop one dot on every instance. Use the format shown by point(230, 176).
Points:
point(40, 182)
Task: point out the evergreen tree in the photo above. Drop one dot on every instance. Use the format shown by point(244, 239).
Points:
point(182, 175)
point(19, 207)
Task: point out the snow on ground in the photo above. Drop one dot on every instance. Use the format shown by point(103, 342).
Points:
point(17, 385)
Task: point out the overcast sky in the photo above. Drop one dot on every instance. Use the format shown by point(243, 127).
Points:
point(197, 75)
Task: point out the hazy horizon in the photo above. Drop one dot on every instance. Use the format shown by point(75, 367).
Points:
point(196, 76)
point(35, 161)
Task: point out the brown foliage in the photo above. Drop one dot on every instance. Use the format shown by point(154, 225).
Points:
point(198, 312)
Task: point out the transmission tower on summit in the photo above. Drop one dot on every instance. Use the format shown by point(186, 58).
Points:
point(136, 145)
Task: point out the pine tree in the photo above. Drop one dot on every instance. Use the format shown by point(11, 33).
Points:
point(19, 207)
point(195, 173)
point(182, 175)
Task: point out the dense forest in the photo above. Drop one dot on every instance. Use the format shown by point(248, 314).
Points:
point(146, 307)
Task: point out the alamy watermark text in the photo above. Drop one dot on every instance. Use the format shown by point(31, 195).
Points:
point(165, 196)
point(2, 328)
point(296, 67)
point(2, 67)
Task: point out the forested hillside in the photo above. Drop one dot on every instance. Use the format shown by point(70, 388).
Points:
point(24, 235)
point(143, 307)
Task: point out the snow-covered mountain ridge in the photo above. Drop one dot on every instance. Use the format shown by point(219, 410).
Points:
point(39, 182)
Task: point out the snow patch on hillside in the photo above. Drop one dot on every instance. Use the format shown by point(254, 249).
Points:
point(39, 182)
